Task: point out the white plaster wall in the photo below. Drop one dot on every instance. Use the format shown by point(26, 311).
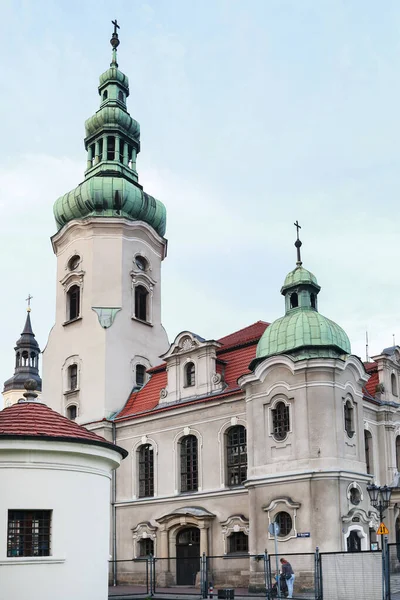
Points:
point(107, 248)
point(12, 397)
point(72, 480)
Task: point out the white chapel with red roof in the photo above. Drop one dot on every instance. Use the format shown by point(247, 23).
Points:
point(273, 423)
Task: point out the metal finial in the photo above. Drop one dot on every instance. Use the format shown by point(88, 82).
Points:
point(28, 300)
point(114, 43)
point(298, 245)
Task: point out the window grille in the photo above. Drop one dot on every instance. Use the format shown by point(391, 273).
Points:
point(146, 471)
point(348, 419)
point(280, 421)
point(284, 521)
point(140, 375)
point(28, 533)
point(188, 536)
point(238, 542)
point(73, 302)
point(190, 374)
point(146, 547)
point(236, 448)
point(141, 295)
point(189, 464)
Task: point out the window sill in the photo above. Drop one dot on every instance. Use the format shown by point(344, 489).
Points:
point(31, 560)
point(237, 554)
point(72, 392)
point(72, 321)
point(141, 321)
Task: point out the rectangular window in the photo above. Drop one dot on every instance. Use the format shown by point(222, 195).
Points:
point(146, 547)
point(73, 377)
point(189, 464)
point(28, 533)
point(238, 542)
point(146, 471)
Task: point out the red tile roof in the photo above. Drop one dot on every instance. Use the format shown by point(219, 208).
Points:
point(237, 351)
point(36, 420)
point(373, 381)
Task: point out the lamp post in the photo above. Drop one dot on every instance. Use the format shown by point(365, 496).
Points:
point(380, 499)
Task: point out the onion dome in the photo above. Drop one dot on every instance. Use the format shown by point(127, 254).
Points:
point(111, 187)
point(303, 332)
point(27, 354)
point(30, 419)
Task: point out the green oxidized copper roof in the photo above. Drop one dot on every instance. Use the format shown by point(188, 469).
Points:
point(301, 328)
point(299, 276)
point(110, 197)
point(111, 187)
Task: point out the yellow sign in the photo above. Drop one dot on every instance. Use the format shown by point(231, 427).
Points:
point(383, 530)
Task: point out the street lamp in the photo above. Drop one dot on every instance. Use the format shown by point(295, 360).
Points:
point(380, 498)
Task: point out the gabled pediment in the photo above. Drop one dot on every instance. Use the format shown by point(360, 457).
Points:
point(187, 342)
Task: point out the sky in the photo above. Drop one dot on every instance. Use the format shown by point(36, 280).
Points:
point(253, 115)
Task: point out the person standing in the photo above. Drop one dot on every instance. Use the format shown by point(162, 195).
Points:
point(288, 575)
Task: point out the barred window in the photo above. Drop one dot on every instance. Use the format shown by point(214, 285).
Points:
point(28, 533)
point(190, 375)
point(284, 521)
point(348, 419)
point(238, 542)
point(236, 449)
point(189, 464)
point(146, 547)
point(146, 471)
point(280, 421)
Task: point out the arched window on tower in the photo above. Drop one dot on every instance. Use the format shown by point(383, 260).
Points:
point(313, 301)
point(190, 375)
point(348, 419)
point(17, 359)
point(393, 380)
point(73, 302)
point(368, 451)
point(71, 412)
point(105, 95)
point(25, 359)
point(141, 303)
point(294, 300)
point(110, 147)
point(72, 377)
point(120, 96)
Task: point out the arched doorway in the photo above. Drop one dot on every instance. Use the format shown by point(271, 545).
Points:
point(187, 556)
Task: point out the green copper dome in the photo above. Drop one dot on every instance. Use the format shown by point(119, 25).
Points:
point(111, 187)
point(304, 332)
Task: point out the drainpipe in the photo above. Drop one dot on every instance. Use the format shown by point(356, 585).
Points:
point(114, 511)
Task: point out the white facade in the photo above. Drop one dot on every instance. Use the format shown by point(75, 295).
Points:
point(51, 475)
point(106, 341)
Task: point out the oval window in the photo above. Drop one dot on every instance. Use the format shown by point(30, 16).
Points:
point(141, 263)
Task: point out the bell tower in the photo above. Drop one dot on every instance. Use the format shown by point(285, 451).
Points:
point(109, 246)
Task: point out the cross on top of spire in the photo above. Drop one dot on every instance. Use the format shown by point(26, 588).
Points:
point(28, 300)
point(298, 245)
point(114, 43)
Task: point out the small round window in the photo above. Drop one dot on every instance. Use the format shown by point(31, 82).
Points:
point(141, 263)
point(284, 521)
point(73, 262)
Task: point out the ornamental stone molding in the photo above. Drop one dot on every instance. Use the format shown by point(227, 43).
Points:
point(106, 316)
point(233, 524)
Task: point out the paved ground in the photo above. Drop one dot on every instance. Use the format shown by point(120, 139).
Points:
point(125, 592)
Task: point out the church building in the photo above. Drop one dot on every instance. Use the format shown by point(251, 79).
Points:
point(276, 422)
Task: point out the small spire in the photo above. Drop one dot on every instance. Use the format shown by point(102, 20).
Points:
point(298, 245)
point(114, 43)
point(30, 395)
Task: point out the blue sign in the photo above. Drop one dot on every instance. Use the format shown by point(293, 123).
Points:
point(302, 535)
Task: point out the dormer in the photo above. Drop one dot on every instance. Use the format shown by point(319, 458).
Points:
point(388, 365)
point(192, 368)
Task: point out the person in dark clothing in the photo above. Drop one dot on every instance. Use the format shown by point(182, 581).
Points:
point(288, 575)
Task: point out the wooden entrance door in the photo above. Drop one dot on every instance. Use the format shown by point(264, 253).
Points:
point(353, 542)
point(187, 556)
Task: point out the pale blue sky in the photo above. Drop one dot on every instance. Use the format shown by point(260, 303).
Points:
point(253, 114)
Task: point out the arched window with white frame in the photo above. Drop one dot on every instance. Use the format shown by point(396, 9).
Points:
point(141, 303)
point(393, 380)
point(73, 302)
point(190, 374)
point(280, 420)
